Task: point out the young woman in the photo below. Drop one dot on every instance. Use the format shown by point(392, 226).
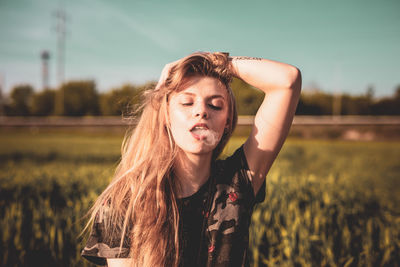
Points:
point(171, 202)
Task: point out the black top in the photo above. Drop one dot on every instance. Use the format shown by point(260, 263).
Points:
point(192, 212)
point(222, 208)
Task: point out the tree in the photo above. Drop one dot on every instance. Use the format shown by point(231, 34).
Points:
point(248, 99)
point(388, 105)
point(77, 98)
point(315, 103)
point(397, 92)
point(43, 103)
point(21, 97)
point(120, 100)
point(356, 105)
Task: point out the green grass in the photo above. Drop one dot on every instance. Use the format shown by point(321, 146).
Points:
point(328, 202)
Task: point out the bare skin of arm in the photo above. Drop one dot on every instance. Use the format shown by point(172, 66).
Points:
point(281, 84)
point(118, 262)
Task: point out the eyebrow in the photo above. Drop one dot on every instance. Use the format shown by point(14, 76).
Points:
point(210, 97)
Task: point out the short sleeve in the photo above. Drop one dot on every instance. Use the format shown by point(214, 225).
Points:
point(98, 247)
point(240, 158)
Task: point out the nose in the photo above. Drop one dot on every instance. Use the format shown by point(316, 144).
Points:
point(200, 110)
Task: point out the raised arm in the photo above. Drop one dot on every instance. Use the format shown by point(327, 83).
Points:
point(281, 84)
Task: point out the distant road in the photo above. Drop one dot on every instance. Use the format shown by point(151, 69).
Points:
point(243, 120)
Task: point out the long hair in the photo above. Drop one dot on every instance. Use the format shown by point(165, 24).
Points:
point(141, 198)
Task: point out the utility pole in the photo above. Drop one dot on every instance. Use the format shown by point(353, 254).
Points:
point(337, 94)
point(61, 32)
point(337, 103)
point(45, 55)
point(61, 18)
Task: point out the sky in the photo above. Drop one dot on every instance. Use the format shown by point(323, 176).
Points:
point(340, 46)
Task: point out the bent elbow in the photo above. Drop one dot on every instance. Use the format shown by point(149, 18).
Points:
point(294, 78)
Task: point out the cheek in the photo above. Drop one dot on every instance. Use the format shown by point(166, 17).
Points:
point(223, 120)
point(177, 121)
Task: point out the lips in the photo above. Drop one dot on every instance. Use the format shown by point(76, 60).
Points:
point(199, 131)
point(201, 126)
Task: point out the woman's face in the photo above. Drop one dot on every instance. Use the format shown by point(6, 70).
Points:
point(198, 114)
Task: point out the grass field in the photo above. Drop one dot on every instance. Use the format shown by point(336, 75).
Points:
point(329, 203)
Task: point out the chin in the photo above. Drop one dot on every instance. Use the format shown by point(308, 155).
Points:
point(197, 150)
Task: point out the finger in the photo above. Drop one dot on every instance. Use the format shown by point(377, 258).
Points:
point(165, 73)
point(163, 77)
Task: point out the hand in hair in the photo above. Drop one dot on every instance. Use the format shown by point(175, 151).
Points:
point(217, 58)
point(165, 73)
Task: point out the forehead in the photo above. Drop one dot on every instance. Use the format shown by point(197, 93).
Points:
point(202, 86)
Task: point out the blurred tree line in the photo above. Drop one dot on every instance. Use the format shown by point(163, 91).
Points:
point(74, 98)
point(81, 98)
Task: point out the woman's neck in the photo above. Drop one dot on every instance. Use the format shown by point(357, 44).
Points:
point(192, 171)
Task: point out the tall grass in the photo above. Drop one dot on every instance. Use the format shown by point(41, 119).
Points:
point(327, 203)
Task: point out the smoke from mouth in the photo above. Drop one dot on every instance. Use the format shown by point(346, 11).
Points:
point(211, 138)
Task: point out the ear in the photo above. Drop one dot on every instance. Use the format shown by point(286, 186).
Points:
point(227, 123)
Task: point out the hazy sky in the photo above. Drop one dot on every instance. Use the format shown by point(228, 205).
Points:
point(338, 45)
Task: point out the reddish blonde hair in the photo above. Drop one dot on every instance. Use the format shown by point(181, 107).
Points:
point(141, 198)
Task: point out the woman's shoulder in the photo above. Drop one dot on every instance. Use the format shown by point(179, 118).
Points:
point(104, 241)
point(234, 172)
point(233, 163)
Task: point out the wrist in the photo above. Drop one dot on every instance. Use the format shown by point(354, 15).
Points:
point(228, 62)
point(233, 67)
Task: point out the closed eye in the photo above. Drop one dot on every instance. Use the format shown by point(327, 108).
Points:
point(187, 104)
point(214, 107)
